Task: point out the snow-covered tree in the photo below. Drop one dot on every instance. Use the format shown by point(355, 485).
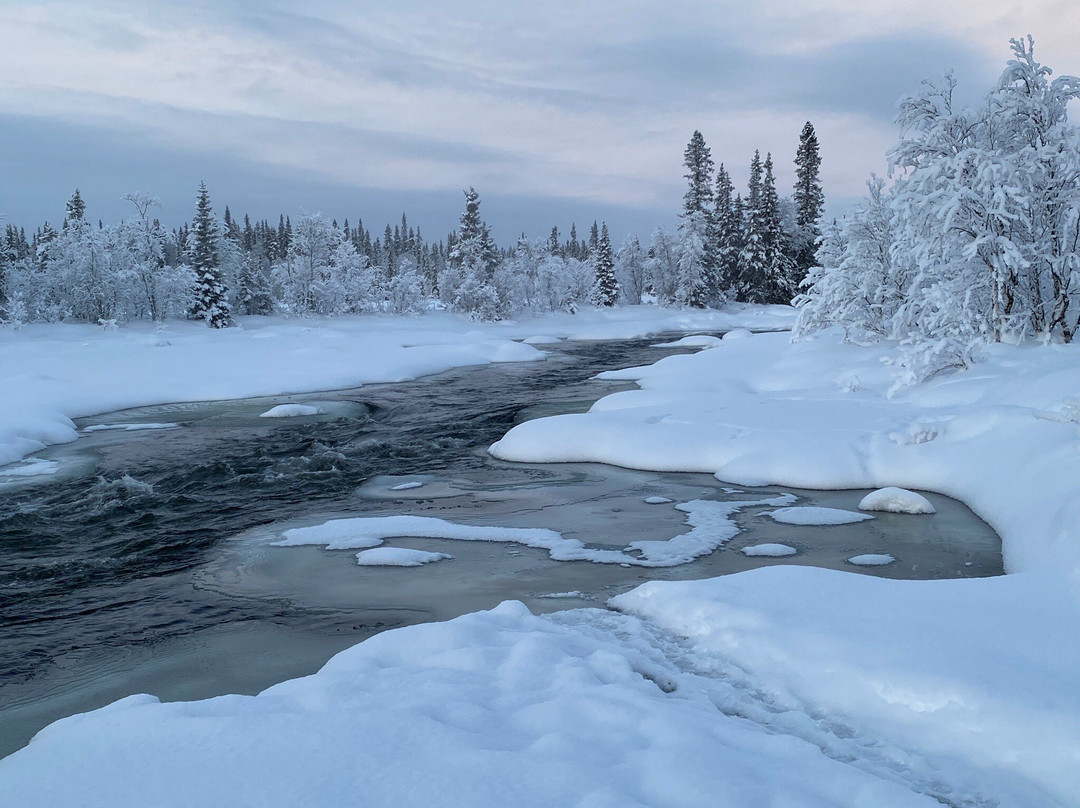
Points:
point(696, 260)
point(809, 201)
point(630, 270)
point(468, 283)
point(210, 302)
point(605, 290)
point(661, 267)
point(727, 223)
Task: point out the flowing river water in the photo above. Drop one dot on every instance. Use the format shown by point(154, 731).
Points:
point(146, 563)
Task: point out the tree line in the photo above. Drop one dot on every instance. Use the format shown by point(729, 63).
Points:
point(214, 269)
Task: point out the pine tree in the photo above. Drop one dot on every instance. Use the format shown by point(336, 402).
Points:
point(210, 302)
point(697, 262)
point(471, 264)
point(605, 291)
point(76, 209)
point(727, 221)
point(809, 202)
point(753, 258)
point(777, 262)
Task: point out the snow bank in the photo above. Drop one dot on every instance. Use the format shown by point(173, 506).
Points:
point(763, 410)
point(290, 411)
point(493, 709)
point(967, 682)
point(814, 515)
point(692, 341)
point(896, 500)
point(657, 500)
point(397, 557)
point(769, 550)
point(50, 374)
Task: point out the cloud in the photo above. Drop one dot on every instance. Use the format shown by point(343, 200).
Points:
point(560, 101)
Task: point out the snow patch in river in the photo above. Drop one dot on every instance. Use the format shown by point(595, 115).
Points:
point(291, 411)
point(814, 515)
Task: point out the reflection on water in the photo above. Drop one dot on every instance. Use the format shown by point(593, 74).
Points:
point(146, 565)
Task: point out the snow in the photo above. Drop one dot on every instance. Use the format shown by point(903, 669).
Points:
point(896, 500)
point(290, 411)
point(406, 486)
point(397, 557)
point(51, 373)
point(871, 560)
point(573, 594)
point(541, 340)
point(692, 341)
point(786, 685)
point(765, 411)
point(813, 515)
point(657, 500)
point(492, 709)
point(34, 467)
point(769, 550)
point(127, 427)
point(710, 527)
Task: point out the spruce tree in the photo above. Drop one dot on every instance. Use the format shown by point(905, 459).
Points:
point(210, 303)
point(605, 291)
point(698, 280)
point(727, 221)
point(809, 202)
point(753, 286)
point(777, 263)
point(76, 209)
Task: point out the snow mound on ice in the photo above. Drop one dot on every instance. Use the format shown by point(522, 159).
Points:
point(737, 334)
point(871, 560)
point(657, 500)
point(291, 411)
point(541, 340)
point(896, 500)
point(406, 486)
point(813, 515)
point(769, 550)
point(397, 557)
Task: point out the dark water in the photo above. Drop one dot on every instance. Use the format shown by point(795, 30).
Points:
point(147, 569)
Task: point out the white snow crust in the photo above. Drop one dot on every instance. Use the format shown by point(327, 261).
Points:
point(291, 411)
point(710, 527)
point(692, 341)
point(871, 560)
point(896, 500)
point(814, 515)
point(657, 500)
point(769, 550)
point(407, 486)
point(127, 427)
point(397, 557)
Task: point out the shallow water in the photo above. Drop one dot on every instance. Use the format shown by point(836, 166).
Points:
point(146, 565)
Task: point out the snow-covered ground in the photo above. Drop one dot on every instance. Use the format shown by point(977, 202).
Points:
point(787, 685)
point(50, 374)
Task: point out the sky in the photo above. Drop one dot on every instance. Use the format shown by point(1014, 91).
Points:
point(556, 112)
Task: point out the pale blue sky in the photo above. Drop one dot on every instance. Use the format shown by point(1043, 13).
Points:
point(556, 112)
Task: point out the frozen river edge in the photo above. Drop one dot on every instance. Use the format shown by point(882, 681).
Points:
point(821, 687)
